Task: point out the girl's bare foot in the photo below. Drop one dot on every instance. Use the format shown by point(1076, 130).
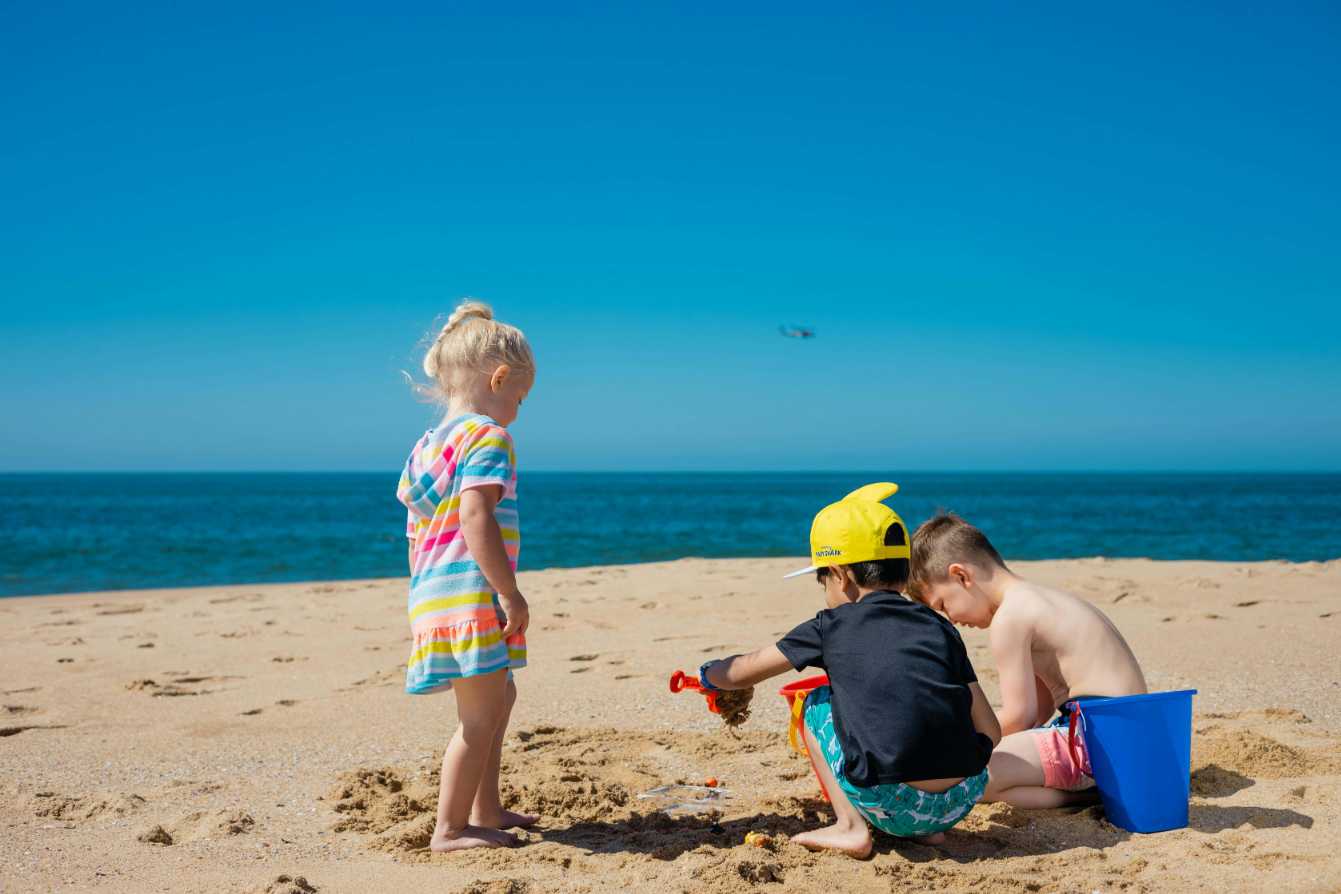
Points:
point(470, 837)
point(853, 840)
point(505, 819)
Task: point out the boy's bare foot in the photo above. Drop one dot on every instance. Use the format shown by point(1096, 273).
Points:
point(855, 841)
point(506, 819)
point(933, 838)
point(471, 837)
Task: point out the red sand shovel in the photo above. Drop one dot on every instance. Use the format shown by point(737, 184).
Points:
point(681, 681)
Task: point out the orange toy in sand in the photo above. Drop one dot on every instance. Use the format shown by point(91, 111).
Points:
point(681, 681)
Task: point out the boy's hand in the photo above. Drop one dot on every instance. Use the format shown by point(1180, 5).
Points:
point(517, 611)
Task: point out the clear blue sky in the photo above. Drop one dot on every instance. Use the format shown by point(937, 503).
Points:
point(1072, 239)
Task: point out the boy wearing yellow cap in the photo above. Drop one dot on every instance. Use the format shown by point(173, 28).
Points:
point(901, 736)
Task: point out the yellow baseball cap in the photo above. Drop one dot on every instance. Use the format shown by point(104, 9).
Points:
point(853, 530)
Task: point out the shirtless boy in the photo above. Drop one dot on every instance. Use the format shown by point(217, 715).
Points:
point(1050, 648)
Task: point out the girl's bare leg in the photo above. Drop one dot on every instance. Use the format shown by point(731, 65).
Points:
point(849, 833)
point(480, 704)
point(488, 807)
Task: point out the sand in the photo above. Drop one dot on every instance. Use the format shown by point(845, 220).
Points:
point(256, 739)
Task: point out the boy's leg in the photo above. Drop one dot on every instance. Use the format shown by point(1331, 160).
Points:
point(479, 705)
point(487, 809)
point(849, 832)
point(1016, 775)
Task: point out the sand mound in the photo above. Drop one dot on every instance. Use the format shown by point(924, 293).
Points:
point(211, 825)
point(155, 835)
point(77, 809)
point(498, 886)
point(286, 884)
point(374, 800)
point(1260, 757)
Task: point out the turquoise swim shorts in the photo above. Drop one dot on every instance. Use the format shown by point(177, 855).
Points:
point(894, 808)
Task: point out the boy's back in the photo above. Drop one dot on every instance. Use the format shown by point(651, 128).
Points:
point(1064, 641)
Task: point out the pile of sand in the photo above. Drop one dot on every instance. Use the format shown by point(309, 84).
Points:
point(1257, 756)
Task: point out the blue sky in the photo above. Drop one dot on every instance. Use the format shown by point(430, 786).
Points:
point(1064, 239)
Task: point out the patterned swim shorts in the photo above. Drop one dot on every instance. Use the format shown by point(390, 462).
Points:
point(894, 808)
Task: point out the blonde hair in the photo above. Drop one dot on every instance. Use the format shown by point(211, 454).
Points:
point(472, 342)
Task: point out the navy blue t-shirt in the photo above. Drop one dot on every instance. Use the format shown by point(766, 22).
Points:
point(901, 702)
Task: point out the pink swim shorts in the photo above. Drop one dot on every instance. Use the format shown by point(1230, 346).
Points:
point(1060, 770)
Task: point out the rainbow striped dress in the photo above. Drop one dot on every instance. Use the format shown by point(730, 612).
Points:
point(455, 617)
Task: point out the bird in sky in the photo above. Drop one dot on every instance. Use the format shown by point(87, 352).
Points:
point(796, 331)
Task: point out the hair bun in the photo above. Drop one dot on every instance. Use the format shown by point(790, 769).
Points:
point(468, 310)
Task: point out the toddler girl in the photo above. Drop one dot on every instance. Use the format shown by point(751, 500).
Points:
point(467, 617)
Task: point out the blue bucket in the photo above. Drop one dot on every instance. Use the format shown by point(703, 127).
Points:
point(1140, 749)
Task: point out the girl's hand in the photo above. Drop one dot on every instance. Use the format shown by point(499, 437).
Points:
point(517, 611)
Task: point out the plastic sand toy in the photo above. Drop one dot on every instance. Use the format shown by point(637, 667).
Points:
point(679, 798)
point(732, 705)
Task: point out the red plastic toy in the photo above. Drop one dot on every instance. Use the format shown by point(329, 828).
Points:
point(681, 681)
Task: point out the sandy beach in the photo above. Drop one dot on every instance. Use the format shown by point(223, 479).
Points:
point(239, 739)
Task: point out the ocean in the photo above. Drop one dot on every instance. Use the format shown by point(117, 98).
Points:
point(80, 532)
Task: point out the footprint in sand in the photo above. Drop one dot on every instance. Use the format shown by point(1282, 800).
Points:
point(177, 686)
point(579, 670)
point(1250, 602)
point(584, 657)
point(6, 731)
point(122, 610)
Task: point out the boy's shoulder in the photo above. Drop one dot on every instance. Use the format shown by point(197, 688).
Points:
point(1023, 606)
point(1028, 611)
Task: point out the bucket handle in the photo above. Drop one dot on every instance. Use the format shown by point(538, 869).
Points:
point(1071, 733)
point(794, 738)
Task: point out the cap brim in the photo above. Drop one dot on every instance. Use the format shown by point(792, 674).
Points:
point(801, 572)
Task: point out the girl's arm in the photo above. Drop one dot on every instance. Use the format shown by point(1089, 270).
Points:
point(743, 671)
point(485, 542)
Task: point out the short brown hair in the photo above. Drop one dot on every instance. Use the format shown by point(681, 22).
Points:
point(943, 540)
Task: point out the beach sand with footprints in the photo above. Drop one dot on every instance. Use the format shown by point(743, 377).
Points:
point(255, 738)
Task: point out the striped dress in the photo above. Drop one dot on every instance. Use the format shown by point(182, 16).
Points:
point(455, 617)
